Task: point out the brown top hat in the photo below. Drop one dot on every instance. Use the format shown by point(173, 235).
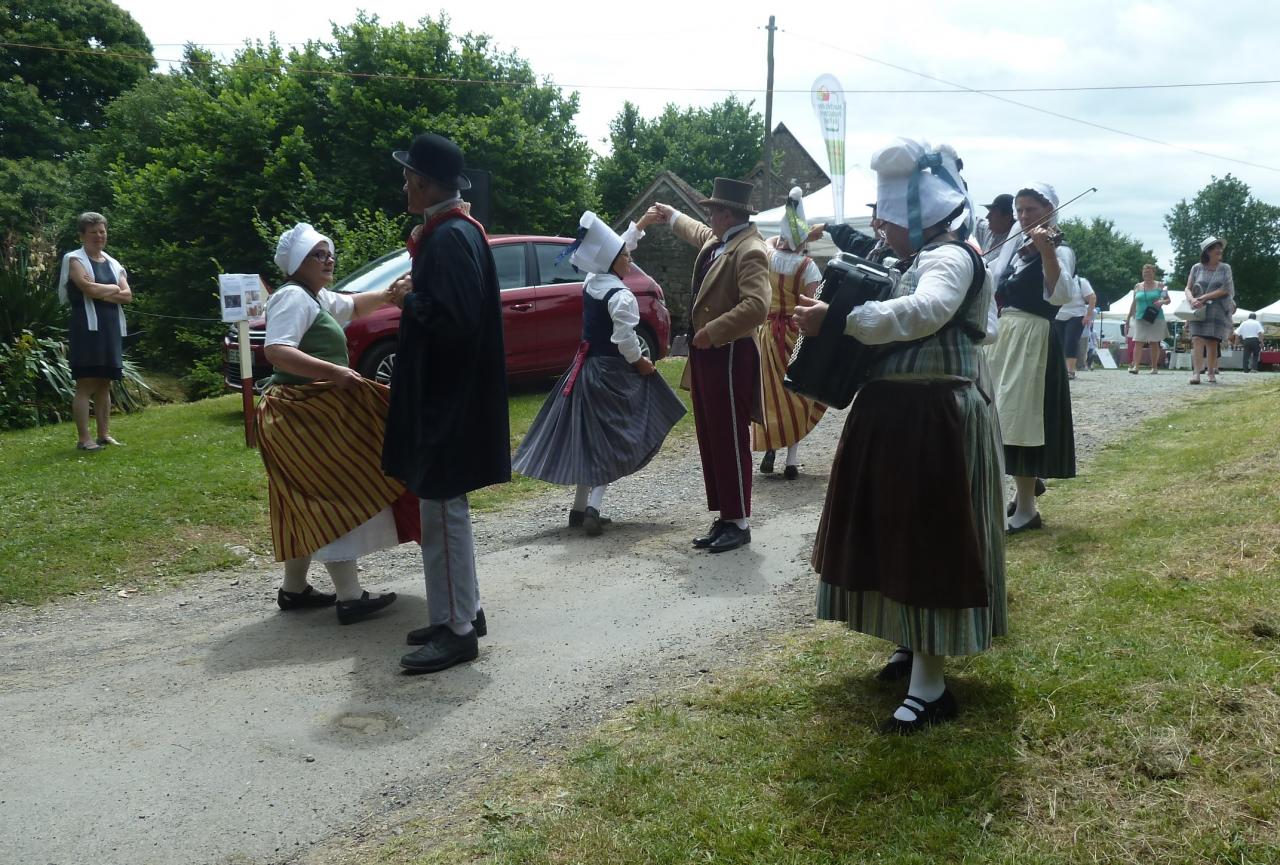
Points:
point(731, 193)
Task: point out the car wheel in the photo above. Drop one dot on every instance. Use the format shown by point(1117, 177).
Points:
point(379, 362)
point(648, 343)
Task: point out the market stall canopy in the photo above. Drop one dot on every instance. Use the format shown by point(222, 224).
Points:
point(1270, 314)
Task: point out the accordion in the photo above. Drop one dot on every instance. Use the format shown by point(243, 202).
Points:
point(830, 366)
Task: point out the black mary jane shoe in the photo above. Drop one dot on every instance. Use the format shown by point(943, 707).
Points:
point(593, 522)
point(1031, 524)
point(791, 472)
point(419, 636)
point(1040, 487)
point(730, 538)
point(712, 533)
point(926, 713)
point(896, 671)
point(307, 599)
point(362, 607)
point(766, 463)
point(442, 650)
point(578, 518)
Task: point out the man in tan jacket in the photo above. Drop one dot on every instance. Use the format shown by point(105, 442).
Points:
point(731, 300)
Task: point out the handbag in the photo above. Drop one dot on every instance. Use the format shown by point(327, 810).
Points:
point(1151, 314)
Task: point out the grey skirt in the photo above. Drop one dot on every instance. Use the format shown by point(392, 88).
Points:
point(610, 424)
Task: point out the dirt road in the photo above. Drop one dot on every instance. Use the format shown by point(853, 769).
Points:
point(202, 725)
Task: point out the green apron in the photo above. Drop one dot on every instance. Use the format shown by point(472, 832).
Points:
point(325, 339)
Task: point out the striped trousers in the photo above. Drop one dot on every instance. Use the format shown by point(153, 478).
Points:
point(725, 384)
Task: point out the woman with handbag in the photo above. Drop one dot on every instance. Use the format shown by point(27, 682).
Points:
point(1146, 319)
point(1210, 292)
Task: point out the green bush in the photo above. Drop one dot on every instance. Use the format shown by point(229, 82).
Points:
point(204, 379)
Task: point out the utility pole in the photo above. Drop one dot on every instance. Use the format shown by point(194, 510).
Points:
point(766, 194)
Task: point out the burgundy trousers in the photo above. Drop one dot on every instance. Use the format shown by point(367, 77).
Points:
point(725, 385)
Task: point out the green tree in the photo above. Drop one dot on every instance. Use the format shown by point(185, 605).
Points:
point(1110, 260)
point(1226, 208)
point(699, 144)
point(90, 52)
point(192, 163)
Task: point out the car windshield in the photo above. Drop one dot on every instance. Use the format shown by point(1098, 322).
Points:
point(377, 274)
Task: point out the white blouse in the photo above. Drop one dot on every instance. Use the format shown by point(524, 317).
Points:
point(291, 312)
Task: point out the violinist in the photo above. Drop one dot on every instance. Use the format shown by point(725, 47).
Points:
point(1032, 395)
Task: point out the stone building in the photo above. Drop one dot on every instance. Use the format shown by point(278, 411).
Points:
point(795, 167)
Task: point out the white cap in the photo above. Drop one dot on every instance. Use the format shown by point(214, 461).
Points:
point(795, 229)
point(295, 244)
point(896, 164)
point(1045, 191)
point(598, 247)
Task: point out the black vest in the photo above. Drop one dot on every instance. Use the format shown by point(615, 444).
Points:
point(597, 325)
point(1025, 290)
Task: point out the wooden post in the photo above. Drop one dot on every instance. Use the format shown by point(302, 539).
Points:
point(246, 383)
point(766, 193)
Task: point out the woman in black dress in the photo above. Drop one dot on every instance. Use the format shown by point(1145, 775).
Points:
point(96, 287)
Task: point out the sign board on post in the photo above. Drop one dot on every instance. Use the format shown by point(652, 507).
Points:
point(242, 297)
point(828, 104)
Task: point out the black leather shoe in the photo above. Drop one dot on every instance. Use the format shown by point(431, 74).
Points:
point(791, 472)
point(714, 532)
point(730, 538)
point(766, 464)
point(363, 606)
point(896, 671)
point(1013, 506)
point(419, 636)
point(592, 522)
point(576, 520)
point(1031, 524)
point(442, 650)
point(1040, 487)
point(942, 709)
point(308, 598)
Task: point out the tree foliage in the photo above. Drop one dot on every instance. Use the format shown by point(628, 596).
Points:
point(92, 51)
point(1226, 208)
point(189, 163)
point(699, 144)
point(1111, 260)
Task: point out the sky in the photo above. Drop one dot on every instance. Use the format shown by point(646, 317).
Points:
point(688, 53)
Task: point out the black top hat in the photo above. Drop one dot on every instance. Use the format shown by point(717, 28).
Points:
point(1002, 203)
point(731, 193)
point(436, 157)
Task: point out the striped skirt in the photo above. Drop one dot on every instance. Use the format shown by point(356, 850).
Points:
point(788, 417)
point(322, 448)
point(973, 529)
point(610, 425)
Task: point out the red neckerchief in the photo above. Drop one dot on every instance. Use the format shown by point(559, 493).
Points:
point(419, 234)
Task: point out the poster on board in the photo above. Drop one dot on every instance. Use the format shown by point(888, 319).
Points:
point(241, 296)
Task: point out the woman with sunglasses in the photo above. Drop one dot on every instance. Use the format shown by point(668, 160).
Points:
point(320, 432)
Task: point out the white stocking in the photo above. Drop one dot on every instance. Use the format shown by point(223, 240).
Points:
point(927, 683)
point(580, 497)
point(346, 582)
point(596, 497)
point(1025, 503)
point(793, 454)
point(295, 575)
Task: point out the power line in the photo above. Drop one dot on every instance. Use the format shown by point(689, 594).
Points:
point(886, 91)
point(991, 94)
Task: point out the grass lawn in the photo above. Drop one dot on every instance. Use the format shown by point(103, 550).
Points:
point(174, 501)
point(1131, 716)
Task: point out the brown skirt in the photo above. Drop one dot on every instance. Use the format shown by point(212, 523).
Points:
point(899, 517)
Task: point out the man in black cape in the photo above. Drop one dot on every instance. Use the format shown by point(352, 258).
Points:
point(447, 427)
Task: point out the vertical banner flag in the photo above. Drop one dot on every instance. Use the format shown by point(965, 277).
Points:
point(828, 104)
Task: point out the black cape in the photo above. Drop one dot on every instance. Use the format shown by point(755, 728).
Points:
point(447, 427)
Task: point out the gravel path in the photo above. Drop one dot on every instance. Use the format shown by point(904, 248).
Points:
point(200, 725)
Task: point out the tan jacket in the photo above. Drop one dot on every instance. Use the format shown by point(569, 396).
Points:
point(734, 299)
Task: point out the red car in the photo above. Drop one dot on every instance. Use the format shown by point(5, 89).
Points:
point(541, 313)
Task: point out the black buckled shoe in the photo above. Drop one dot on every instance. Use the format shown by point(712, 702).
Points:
point(306, 599)
point(362, 607)
point(730, 538)
point(1031, 524)
point(442, 650)
point(766, 464)
point(592, 522)
point(419, 636)
point(578, 518)
point(712, 533)
point(896, 670)
point(791, 472)
point(926, 713)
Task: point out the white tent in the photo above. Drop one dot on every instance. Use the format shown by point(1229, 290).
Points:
point(1119, 310)
point(1270, 314)
point(819, 206)
point(1241, 314)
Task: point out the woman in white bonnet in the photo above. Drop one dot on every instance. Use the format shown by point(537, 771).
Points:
point(320, 433)
point(788, 417)
point(910, 546)
point(1033, 397)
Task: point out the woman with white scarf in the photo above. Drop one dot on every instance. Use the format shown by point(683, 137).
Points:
point(910, 546)
point(96, 287)
point(610, 412)
point(788, 417)
point(1035, 278)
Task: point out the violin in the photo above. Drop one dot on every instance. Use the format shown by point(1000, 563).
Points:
point(1028, 251)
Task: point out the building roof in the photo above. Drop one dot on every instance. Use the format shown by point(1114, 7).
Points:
point(687, 199)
